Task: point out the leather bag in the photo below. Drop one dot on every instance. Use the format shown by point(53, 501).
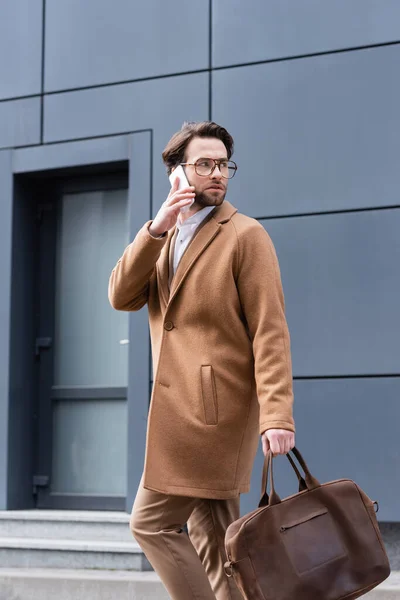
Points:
point(322, 543)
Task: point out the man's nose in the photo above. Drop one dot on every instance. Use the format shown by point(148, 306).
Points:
point(216, 173)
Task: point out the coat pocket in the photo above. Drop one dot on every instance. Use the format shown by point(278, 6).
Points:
point(209, 395)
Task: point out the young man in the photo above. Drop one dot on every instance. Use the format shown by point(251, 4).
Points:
point(222, 365)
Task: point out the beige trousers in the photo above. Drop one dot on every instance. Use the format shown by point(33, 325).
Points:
point(190, 567)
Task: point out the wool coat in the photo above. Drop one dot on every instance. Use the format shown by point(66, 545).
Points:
point(220, 348)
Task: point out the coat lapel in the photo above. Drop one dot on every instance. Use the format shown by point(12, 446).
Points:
point(199, 244)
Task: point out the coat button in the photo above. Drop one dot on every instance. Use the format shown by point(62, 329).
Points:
point(168, 325)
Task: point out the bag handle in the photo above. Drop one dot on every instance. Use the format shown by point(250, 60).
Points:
point(307, 483)
point(265, 499)
point(302, 483)
point(264, 496)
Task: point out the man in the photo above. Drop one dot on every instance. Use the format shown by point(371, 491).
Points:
point(222, 365)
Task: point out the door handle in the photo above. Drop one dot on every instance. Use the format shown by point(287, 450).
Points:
point(42, 343)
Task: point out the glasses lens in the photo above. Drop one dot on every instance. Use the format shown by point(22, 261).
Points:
point(231, 169)
point(204, 166)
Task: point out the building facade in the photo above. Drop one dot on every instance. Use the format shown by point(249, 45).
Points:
point(90, 93)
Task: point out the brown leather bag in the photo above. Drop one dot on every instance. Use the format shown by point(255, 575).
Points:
point(322, 543)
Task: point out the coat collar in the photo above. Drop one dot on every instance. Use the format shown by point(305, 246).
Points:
point(224, 212)
point(197, 246)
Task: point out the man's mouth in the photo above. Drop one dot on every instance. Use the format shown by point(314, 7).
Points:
point(216, 187)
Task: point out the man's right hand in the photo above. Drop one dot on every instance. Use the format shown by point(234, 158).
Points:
point(168, 214)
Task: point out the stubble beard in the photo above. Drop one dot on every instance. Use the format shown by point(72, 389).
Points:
point(205, 199)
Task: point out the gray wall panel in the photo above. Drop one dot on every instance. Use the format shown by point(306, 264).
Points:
point(345, 429)
point(122, 40)
point(341, 280)
point(71, 154)
point(20, 122)
point(124, 108)
point(6, 200)
point(261, 30)
point(161, 104)
point(20, 47)
point(314, 134)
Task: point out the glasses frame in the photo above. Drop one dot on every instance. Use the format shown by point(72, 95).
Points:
point(217, 163)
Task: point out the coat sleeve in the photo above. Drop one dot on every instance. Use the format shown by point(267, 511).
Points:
point(261, 296)
point(128, 288)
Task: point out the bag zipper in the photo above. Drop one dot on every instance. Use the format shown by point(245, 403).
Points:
point(303, 520)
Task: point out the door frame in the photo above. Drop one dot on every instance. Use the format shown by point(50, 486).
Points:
point(33, 166)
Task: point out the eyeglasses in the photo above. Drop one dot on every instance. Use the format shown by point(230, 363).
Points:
point(206, 166)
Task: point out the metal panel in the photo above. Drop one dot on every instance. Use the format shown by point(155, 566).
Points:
point(20, 122)
point(261, 30)
point(140, 193)
point(346, 428)
point(70, 154)
point(5, 299)
point(341, 281)
point(20, 47)
point(122, 41)
point(124, 108)
point(314, 134)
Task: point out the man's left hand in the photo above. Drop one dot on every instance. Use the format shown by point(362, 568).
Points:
point(280, 441)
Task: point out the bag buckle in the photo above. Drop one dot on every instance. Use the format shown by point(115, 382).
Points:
point(375, 502)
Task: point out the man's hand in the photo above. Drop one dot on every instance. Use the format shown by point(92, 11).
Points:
point(168, 214)
point(280, 441)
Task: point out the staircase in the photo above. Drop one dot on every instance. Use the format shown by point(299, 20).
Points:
point(72, 555)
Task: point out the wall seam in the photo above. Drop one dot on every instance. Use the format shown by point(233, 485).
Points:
point(15, 98)
point(126, 82)
point(329, 212)
point(210, 51)
point(42, 74)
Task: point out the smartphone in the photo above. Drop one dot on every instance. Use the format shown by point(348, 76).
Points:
point(183, 183)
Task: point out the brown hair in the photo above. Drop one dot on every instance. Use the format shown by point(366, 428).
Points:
point(174, 152)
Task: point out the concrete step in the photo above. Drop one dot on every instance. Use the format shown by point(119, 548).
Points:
point(66, 525)
point(47, 584)
point(71, 554)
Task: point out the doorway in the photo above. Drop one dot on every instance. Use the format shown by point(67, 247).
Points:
point(82, 346)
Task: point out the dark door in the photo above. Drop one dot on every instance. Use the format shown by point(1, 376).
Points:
point(81, 348)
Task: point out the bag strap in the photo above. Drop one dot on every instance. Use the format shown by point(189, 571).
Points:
point(307, 483)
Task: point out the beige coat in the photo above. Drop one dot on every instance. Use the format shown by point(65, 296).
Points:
point(221, 352)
